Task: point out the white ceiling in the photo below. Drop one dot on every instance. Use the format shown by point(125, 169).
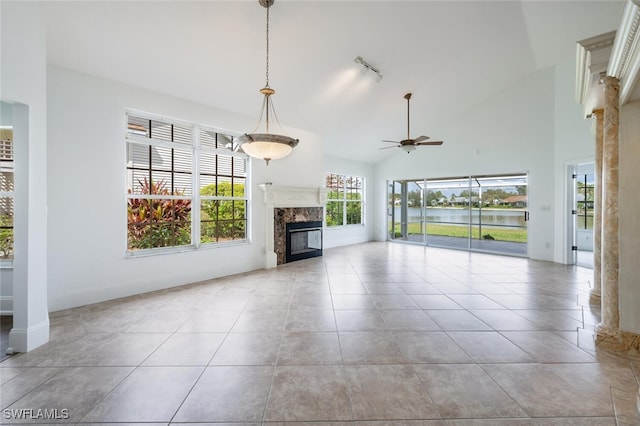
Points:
point(450, 54)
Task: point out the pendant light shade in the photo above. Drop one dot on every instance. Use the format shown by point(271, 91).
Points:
point(267, 146)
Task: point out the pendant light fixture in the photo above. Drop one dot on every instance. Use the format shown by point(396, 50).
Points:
point(267, 146)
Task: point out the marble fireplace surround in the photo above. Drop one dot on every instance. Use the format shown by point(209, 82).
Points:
point(284, 205)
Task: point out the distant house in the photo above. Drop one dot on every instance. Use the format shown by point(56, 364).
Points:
point(516, 201)
point(462, 201)
point(458, 201)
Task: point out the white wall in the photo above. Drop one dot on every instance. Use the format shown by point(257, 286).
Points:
point(629, 224)
point(510, 132)
point(23, 83)
point(352, 234)
point(86, 181)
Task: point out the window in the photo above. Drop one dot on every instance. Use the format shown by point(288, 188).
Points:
point(584, 199)
point(345, 200)
point(6, 193)
point(186, 185)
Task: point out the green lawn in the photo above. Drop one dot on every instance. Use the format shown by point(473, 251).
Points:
point(498, 233)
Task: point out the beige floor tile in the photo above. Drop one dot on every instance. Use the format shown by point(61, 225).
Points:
point(542, 392)
point(489, 347)
point(260, 321)
point(186, 349)
point(210, 322)
point(309, 393)
point(148, 394)
point(359, 320)
point(312, 320)
point(76, 389)
point(21, 381)
point(504, 320)
point(430, 347)
point(457, 320)
point(553, 319)
point(158, 322)
point(545, 346)
point(393, 301)
point(352, 301)
point(370, 348)
point(466, 391)
point(248, 349)
point(408, 320)
point(381, 392)
point(434, 301)
point(228, 394)
point(310, 349)
point(474, 301)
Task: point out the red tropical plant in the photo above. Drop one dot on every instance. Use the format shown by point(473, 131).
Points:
point(156, 222)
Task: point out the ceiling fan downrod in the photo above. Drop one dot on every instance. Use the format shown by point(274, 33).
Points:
point(408, 97)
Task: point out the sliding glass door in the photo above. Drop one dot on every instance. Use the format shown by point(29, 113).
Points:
point(499, 214)
point(406, 211)
point(483, 213)
point(448, 213)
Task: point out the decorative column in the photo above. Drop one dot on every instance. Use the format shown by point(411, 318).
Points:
point(596, 291)
point(608, 332)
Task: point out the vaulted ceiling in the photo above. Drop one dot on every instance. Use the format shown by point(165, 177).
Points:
point(450, 54)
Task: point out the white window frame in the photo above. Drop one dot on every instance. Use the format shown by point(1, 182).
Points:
point(8, 263)
point(344, 201)
point(195, 198)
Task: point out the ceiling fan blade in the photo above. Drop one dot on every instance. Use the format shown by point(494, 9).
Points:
point(387, 147)
point(429, 143)
point(390, 141)
point(421, 138)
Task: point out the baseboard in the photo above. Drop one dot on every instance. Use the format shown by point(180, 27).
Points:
point(25, 340)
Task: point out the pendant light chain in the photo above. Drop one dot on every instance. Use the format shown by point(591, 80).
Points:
point(267, 65)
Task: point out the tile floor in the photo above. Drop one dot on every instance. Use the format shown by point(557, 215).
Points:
point(372, 333)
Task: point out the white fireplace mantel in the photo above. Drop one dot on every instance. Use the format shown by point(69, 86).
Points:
point(290, 196)
point(285, 197)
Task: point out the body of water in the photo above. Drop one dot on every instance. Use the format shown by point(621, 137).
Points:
point(502, 217)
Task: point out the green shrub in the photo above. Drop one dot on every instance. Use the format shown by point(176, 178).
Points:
point(223, 220)
point(6, 236)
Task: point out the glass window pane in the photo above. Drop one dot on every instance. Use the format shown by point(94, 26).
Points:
point(6, 228)
point(354, 213)
point(158, 223)
point(334, 213)
point(6, 181)
point(223, 220)
point(335, 184)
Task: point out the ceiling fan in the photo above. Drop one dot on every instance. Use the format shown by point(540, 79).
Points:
point(409, 144)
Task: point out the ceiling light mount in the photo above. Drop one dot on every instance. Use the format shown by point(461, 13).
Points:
point(368, 67)
point(267, 146)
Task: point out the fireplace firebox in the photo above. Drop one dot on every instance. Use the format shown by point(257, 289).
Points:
point(304, 240)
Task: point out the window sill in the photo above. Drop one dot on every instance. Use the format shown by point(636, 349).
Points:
point(339, 227)
point(185, 249)
point(6, 264)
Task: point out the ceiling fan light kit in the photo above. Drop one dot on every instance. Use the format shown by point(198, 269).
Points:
point(408, 144)
point(267, 146)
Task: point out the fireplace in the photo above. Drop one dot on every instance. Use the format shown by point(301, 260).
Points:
point(292, 205)
point(304, 240)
